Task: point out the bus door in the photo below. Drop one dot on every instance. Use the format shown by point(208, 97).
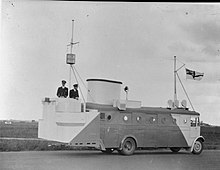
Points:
point(109, 130)
point(151, 131)
point(194, 127)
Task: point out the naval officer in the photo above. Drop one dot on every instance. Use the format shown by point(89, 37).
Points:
point(74, 92)
point(62, 91)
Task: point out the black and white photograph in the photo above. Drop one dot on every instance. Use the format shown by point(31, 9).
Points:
point(107, 85)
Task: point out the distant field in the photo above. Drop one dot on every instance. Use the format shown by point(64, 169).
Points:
point(212, 137)
point(21, 129)
point(30, 130)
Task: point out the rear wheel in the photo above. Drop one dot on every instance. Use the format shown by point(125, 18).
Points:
point(175, 149)
point(128, 146)
point(198, 147)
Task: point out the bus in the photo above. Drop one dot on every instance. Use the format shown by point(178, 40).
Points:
point(108, 122)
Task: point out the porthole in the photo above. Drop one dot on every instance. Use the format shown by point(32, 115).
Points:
point(125, 118)
point(138, 118)
point(185, 121)
point(152, 120)
point(163, 120)
point(109, 117)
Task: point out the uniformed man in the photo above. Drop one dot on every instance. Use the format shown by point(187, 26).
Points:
point(74, 92)
point(62, 91)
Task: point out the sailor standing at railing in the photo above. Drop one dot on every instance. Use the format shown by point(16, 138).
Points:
point(74, 92)
point(62, 91)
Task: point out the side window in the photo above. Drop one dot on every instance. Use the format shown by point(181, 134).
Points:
point(151, 119)
point(137, 118)
point(102, 116)
point(198, 121)
point(193, 121)
point(105, 117)
point(109, 117)
point(126, 118)
point(167, 120)
point(185, 120)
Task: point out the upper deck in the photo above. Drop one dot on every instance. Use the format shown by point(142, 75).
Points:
point(147, 110)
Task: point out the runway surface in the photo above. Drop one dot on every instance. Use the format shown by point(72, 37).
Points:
point(96, 160)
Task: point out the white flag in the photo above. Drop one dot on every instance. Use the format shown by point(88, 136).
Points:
point(194, 75)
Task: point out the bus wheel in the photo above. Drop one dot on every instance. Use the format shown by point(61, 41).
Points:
point(128, 146)
point(108, 150)
point(198, 147)
point(175, 149)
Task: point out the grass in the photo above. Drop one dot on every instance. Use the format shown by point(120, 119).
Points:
point(34, 145)
point(19, 129)
point(29, 130)
point(212, 137)
point(23, 145)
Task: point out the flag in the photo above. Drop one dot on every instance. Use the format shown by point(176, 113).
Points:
point(194, 75)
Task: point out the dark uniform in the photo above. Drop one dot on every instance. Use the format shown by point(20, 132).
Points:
point(62, 91)
point(74, 92)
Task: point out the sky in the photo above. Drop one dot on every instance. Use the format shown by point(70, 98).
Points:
point(125, 41)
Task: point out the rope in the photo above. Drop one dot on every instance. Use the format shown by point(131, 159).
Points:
point(84, 84)
point(180, 61)
point(185, 92)
point(79, 77)
point(78, 83)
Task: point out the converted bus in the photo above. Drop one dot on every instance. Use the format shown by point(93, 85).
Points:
point(109, 123)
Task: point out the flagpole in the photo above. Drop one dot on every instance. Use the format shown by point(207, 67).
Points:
point(175, 94)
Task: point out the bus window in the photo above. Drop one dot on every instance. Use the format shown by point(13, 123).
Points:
point(198, 122)
point(138, 118)
point(151, 119)
point(126, 118)
point(193, 121)
point(109, 117)
point(174, 121)
point(166, 120)
point(102, 116)
point(184, 120)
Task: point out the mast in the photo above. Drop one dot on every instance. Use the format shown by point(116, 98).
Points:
point(176, 102)
point(71, 52)
point(71, 60)
point(71, 43)
point(175, 94)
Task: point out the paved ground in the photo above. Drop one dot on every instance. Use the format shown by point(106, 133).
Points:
point(95, 160)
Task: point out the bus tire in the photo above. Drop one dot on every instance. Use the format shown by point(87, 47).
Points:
point(128, 146)
point(197, 147)
point(175, 149)
point(108, 150)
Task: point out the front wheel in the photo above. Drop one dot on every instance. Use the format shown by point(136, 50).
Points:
point(198, 147)
point(128, 146)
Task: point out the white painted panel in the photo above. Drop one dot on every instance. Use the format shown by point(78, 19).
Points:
point(103, 92)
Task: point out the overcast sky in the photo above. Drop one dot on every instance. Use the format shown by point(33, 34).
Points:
point(129, 42)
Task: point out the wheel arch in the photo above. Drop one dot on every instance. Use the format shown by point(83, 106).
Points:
point(128, 136)
point(198, 138)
